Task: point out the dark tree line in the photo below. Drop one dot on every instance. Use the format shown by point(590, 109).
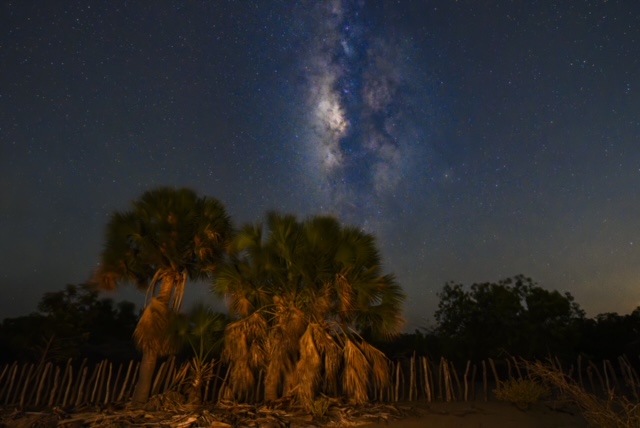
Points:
point(517, 317)
point(513, 316)
point(72, 323)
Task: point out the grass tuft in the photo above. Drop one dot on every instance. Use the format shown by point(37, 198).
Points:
point(521, 392)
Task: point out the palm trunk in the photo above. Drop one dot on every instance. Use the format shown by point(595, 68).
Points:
point(151, 332)
point(143, 385)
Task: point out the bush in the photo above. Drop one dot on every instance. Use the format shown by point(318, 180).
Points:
point(614, 411)
point(319, 407)
point(521, 392)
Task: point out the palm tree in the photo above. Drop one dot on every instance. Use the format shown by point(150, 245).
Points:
point(301, 296)
point(203, 330)
point(169, 236)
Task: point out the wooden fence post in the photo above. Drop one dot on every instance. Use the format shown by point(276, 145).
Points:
point(485, 380)
point(56, 384)
point(495, 373)
point(9, 388)
point(427, 380)
point(108, 385)
point(517, 366)
point(111, 397)
point(580, 372)
point(25, 388)
point(124, 382)
point(69, 383)
point(77, 389)
point(397, 380)
point(452, 369)
point(412, 376)
point(158, 380)
point(466, 381)
point(47, 368)
point(473, 381)
point(2, 381)
point(444, 366)
point(80, 392)
point(96, 381)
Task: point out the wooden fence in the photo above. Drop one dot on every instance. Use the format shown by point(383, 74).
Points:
point(417, 378)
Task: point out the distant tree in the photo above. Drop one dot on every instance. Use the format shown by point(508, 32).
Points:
point(513, 316)
point(300, 295)
point(72, 322)
point(609, 335)
point(169, 236)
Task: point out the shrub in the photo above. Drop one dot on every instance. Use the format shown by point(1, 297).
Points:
point(614, 411)
point(521, 392)
point(319, 407)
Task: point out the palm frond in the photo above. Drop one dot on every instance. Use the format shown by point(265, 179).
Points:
point(379, 365)
point(151, 333)
point(356, 373)
point(309, 366)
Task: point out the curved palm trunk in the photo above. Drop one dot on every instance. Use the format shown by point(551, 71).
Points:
point(151, 333)
point(143, 385)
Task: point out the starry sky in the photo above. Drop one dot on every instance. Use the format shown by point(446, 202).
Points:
point(476, 139)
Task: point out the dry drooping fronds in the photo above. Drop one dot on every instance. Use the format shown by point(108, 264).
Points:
point(332, 364)
point(279, 363)
point(291, 320)
point(379, 365)
point(151, 332)
point(255, 325)
point(331, 354)
point(612, 412)
point(309, 367)
point(238, 350)
point(356, 373)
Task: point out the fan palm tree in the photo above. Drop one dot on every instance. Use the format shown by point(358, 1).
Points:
point(203, 330)
point(300, 296)
point(169, 236)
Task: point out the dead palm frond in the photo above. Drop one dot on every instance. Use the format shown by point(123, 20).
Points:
point(331, 353)
point(242, 379)
point(257, 354)
point(379, 365)
point(280, 356)
point(309, 367)
point(332, 365)
point(151, 332)
point(356, 373)
point(290, 319)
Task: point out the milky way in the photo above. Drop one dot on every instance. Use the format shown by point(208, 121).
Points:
point(358, 100)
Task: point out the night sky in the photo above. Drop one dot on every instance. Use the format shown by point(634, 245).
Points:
point(476, 139)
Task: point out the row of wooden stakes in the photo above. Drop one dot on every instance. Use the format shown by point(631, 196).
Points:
point(76, 384)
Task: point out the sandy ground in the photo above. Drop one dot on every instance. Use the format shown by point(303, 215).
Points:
point(486, 415)
point(475, 414)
